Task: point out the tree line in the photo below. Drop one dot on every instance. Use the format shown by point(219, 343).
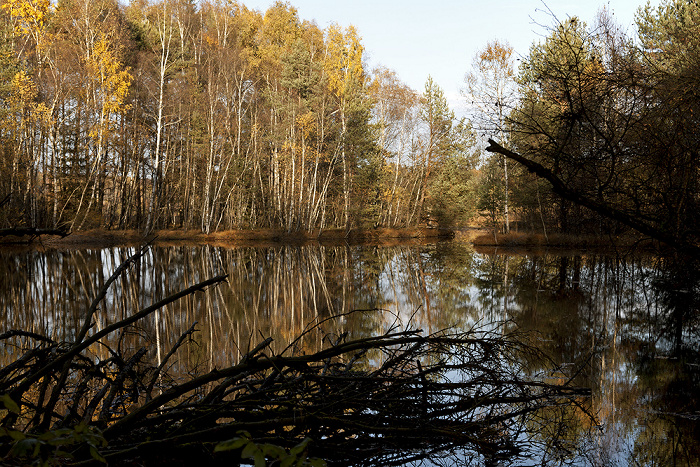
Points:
point(212, 116)
point(209, 115)
point(600, 125)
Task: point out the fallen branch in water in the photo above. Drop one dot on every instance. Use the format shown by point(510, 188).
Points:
point(379, 400)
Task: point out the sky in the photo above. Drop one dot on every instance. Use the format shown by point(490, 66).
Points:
point(418, 38)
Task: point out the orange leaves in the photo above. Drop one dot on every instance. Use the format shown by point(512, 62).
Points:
point(496, 55)
point(591, 77)
point(211, 41)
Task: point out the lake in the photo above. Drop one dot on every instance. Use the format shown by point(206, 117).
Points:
point(625, 326)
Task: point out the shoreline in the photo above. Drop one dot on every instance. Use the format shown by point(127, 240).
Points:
point(487, 242)
point(482, 240)
point(102, 238)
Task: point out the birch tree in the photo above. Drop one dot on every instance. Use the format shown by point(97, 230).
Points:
point(396, 115)
point(107, 86)
point(346, 78)
point(491, 93)
point(160, 22)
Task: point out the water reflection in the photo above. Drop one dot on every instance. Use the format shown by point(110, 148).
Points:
point(631, 324)
point(628, 327)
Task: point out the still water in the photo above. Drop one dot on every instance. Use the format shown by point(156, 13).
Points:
point(626, 326)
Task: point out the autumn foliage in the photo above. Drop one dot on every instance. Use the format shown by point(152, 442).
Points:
point(201, 115)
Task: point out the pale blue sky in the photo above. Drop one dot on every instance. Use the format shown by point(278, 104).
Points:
point(440, 37)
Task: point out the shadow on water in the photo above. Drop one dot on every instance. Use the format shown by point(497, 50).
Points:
point(627, 327)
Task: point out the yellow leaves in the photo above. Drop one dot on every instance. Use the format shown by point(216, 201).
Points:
point(302, 149)
point(279, 29)
point(593, 71)
point(23, 89)
point(22, 109)
point(108, 84)
point(307, 123)
point(343, 62)
point(387, 194)
point(110, 80)
point(29, 15)
point(211, 41)
point(495, 52)
point(23, 98)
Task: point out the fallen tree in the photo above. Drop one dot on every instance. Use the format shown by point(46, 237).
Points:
point(382, 400)
point(651, 228)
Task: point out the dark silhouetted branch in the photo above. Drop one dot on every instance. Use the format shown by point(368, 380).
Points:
point(606, 210)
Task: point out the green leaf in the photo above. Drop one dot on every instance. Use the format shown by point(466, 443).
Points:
point(259, 459)
point(97, 440)
point(61, 441)
point(9, 403)
point(26, 447)
point(96, 455)
point(80, 428)
point(58, 437)
point(62, 455)
point(299, 448)
point(243, 434)
point(250, 451)
point(16, 435)
point(231, 444)
point(274, 451)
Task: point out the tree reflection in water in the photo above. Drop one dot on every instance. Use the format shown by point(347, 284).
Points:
point(634, 320)
point(630, 323)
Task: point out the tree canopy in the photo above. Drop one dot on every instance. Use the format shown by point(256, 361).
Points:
point(212, 116)
point(610, 123)
point(204, 115)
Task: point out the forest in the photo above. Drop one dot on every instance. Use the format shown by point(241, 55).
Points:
point(208, 116)
point(212, 116)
